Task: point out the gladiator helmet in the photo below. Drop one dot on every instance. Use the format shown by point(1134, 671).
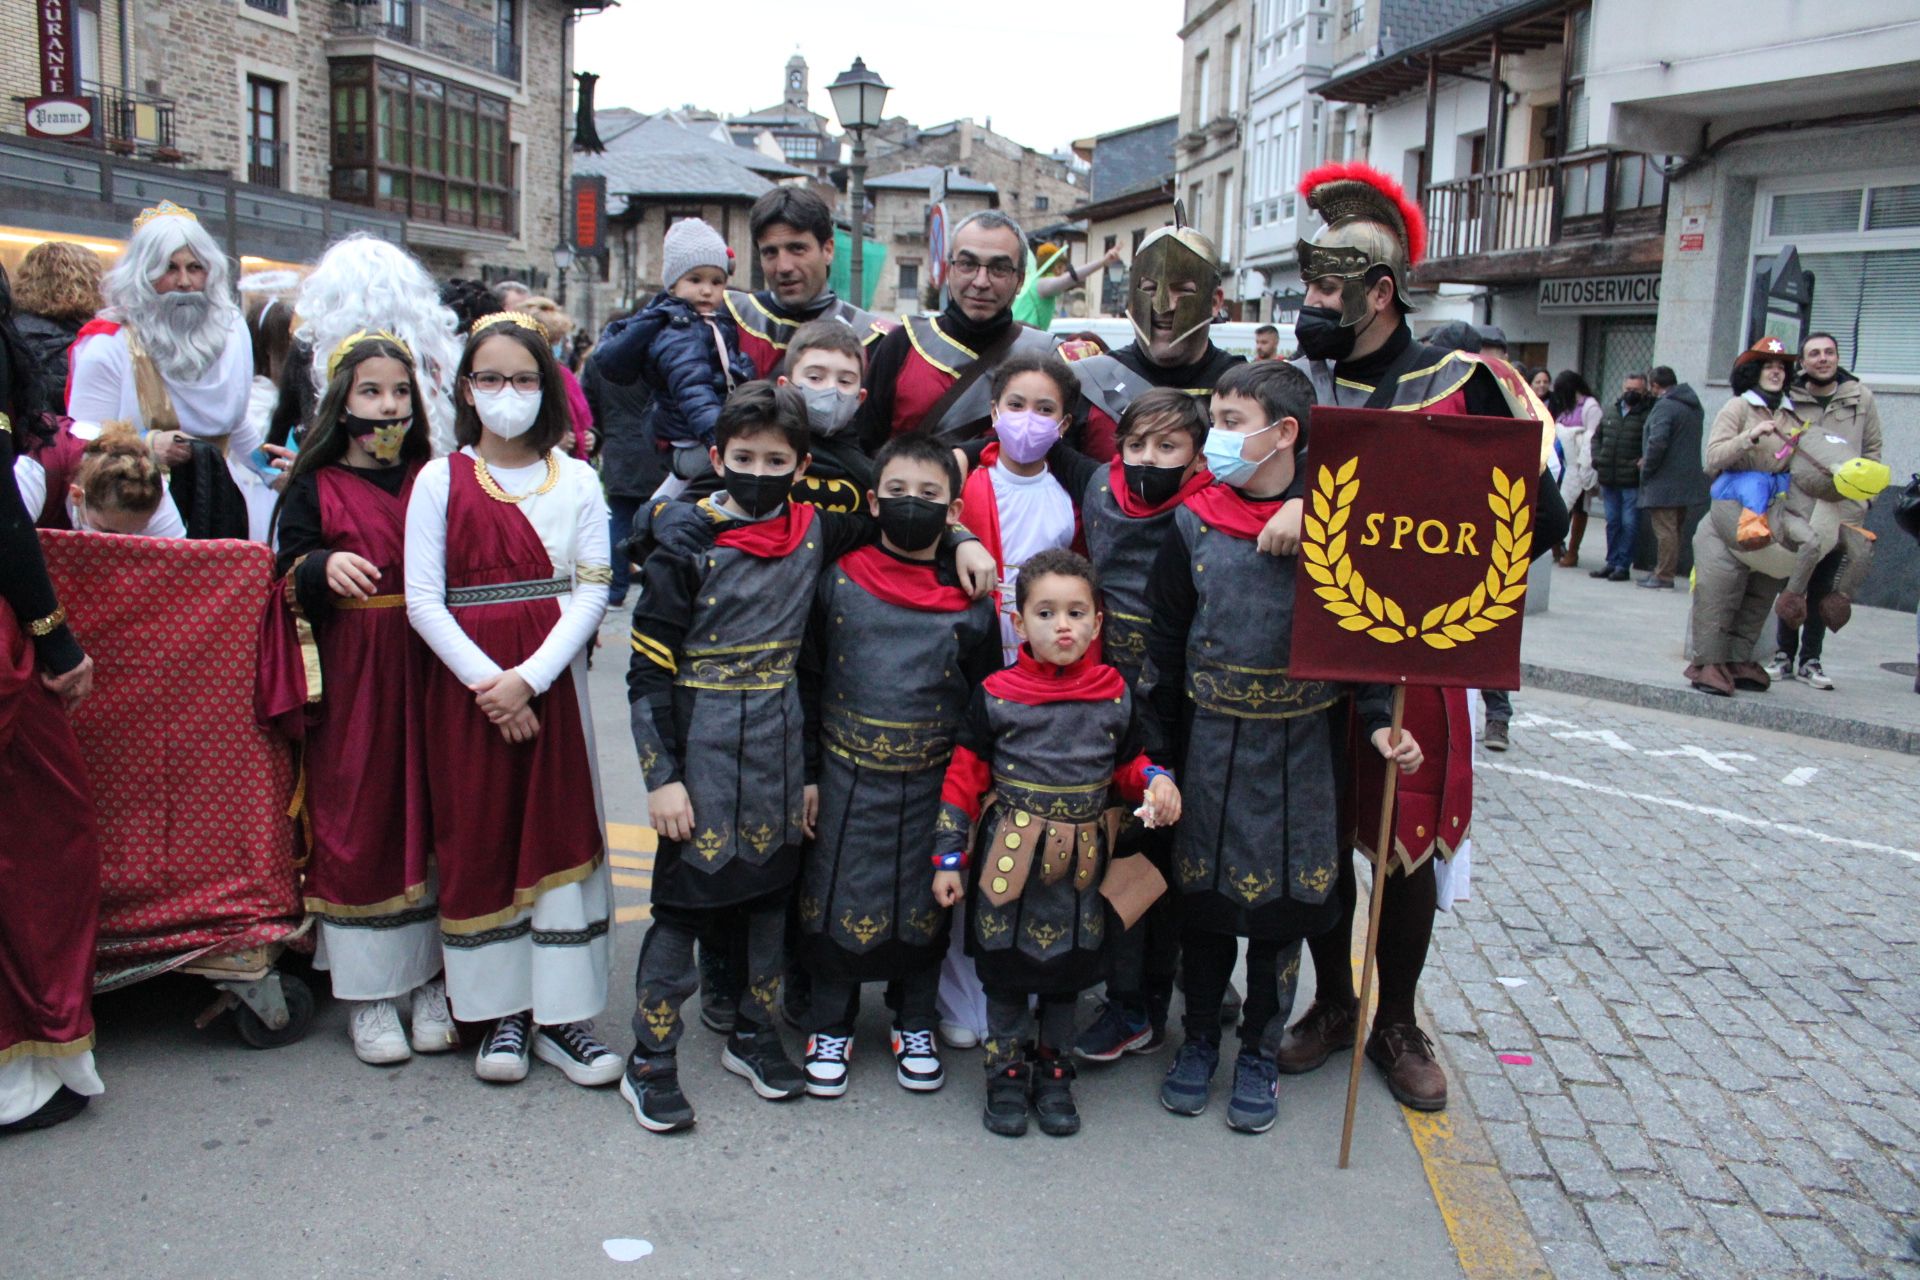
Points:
point(1175, 254)
point(1370, 223)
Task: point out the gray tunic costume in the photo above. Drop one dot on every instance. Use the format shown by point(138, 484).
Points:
point(894, 650)
point(1051, 743)
point(1256, 851)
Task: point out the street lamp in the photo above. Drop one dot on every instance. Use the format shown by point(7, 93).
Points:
point(562, 263)
point(858, 99)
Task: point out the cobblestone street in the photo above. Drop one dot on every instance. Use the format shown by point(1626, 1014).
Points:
point(1682, 1001)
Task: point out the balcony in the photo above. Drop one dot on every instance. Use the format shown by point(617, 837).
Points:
point(436, 27)
point(128, 124)
point(1599, 210)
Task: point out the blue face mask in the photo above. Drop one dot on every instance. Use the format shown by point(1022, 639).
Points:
point(1222, 450)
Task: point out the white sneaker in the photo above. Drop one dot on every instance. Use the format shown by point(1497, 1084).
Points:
point(826, 1067)
point(377, 1038)
point(916, 1061)
point(958, 1036)
point(503, 1058)
point(1813, 675)
point(1781, 669)
point(432, 1029)
point(572, 1047)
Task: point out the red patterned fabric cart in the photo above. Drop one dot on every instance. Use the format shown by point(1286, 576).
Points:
point(198, 855)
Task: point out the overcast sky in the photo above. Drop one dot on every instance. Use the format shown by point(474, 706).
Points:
point(1044, 81)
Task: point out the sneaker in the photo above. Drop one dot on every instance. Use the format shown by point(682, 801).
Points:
point(572, 1047)
point(958, 1035)
point(1053, 1097)
point(1006, 1110)
point(503, 1057)
point(827, 1059)
point(1495, 738)
point(651, 1087)
point(916, 1061)
point(432, 1029)
point(1190, 1079)
point(719, 1013)
point(1813, 675)
point(761, 1060)
point(1256, 1091)
point(377, 1037)
point(1781, 668)
point(1113, 1033)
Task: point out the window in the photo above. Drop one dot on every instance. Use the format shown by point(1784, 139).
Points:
point(909, 286)
point(1041, 204)
point(801, 146)
point(418, 146)
point(1861, 241)
point(1233, 73)
point(506, 40)
point(269, 6)
point(1202, 92)
point(266, 153)
point(1576, 139)
point(1229, 215)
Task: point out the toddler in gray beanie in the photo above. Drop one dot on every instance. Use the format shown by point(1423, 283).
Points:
point(689, 245)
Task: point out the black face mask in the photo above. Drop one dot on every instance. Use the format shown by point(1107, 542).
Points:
point(912, 524)
point(758, 495)
point(1321, 335)
point(1153, 485)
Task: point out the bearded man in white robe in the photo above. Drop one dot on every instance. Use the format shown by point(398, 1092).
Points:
point(170, 353)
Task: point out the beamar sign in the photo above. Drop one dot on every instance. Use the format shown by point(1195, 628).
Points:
point(58, 117)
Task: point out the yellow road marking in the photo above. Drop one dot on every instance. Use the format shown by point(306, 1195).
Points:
point(627, 915)
point(630, 837)
point(632, 882)
point(632, 863)
point(1489, 1231)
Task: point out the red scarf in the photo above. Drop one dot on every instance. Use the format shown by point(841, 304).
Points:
point(911, 585)
point(1035, 683)
point(1231, 511)
point(90, 329)
point(771, 538)
point(1134, 509)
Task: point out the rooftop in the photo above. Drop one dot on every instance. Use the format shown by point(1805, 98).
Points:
point(922, 178)
point(665, 155)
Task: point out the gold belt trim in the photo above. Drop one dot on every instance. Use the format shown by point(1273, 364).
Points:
point(897, 747)
point(393, 601)
point(1255, 693)
point(739, 668)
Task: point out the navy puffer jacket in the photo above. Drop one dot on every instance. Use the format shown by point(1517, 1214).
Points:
point(677, 351)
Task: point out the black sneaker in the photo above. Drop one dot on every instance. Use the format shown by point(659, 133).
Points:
point(1053, 1097)
point(573, 1047)
point(761, 1060)
point(1190, 1079)
point(652, 1087)
point(1495, 738)
point(63, 1106)
point(1007, 1089)
point(916, 1061)
point(1256, 1090)
point(1116, 1031)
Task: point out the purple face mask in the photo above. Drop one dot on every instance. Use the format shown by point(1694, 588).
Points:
point(1025, 436)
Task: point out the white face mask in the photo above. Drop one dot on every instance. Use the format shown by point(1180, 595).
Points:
point(506, 412)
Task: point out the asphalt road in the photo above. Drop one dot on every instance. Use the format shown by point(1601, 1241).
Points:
point(206, 1158)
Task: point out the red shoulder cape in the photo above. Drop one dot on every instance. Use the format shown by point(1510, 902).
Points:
point(1133, 508)
point(911, 586)
point(772, 538)
point(1227, 508)
point(1036, 683)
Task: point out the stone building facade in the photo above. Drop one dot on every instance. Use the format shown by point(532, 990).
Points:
point(899, 220)
point(1213, 103)
point(298, 99)
point(1035, 189)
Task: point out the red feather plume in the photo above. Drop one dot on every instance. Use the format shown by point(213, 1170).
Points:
point(1353, 171)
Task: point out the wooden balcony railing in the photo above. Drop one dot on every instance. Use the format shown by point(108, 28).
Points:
point(1590, 194)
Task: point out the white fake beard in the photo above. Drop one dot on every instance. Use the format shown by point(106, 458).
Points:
point(184, 332)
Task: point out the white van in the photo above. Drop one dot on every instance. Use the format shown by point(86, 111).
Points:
point(1117, 331)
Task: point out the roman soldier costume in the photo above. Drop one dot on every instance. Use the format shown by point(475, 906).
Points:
point(766, 326)
point(1371, 229)
point(935, 374)
point(1169, 257)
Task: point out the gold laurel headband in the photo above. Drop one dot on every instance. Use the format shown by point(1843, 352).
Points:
point(165, 209)
point(352, 340)
point(520, 318)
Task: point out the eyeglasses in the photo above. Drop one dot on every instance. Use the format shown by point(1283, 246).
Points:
point(1000, 270)
point(494, 381)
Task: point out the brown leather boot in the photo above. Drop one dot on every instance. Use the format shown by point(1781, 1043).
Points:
point(1325, 1030)
point(1576, 530)
point(1405, 1057)
point(1710, 678)
point(1750, 676)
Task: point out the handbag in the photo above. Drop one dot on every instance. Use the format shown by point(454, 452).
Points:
point(1906, 507)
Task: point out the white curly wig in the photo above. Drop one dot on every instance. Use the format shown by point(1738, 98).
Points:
point(183, 345)
point(363, 282)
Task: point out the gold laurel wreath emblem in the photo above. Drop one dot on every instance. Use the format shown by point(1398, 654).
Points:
point(1359, 607)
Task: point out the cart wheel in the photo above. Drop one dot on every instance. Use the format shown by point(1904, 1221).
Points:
point(258, 1035)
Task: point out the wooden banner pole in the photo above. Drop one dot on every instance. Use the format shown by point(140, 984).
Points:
point(1381, 848)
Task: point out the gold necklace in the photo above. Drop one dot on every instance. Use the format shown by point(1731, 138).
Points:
point(492, 489)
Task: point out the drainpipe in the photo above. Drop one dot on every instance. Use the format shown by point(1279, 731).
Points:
point(126, 51)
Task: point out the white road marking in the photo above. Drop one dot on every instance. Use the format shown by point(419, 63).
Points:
point(1712, 759)
point(1723, 815)
point(1528, 720)
point(1800, 777)
point(1605, 737)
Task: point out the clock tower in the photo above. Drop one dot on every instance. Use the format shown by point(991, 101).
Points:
point(795, 92)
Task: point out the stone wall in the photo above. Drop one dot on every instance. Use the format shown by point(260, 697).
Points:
point(1024, 177)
